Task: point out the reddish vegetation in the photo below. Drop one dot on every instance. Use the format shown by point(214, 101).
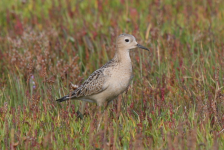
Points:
point(175, 101)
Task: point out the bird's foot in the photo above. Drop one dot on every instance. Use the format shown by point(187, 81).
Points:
point(79, 115)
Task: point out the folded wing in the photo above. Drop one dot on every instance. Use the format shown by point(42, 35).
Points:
point(93, 85)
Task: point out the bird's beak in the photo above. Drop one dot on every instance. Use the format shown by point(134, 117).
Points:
point(142, 47)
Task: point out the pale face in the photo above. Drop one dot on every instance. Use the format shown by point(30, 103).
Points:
point(127, 42)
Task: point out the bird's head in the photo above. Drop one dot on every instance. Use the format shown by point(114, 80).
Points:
point(127, 42)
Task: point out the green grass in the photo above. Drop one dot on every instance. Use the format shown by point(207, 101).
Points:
point(174, 102)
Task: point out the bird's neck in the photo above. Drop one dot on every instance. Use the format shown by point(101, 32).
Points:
point(122, 56)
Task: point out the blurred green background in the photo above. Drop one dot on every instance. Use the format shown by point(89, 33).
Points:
point(174, 102)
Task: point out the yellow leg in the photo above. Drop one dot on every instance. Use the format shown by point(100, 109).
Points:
point(83, 107)
point(81, 112)
point(100, 116)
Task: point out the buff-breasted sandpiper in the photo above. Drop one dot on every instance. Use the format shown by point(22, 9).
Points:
point(112, 79)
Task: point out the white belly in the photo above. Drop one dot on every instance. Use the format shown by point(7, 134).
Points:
point(120, 84)
point(117, 82)
point(114, 89)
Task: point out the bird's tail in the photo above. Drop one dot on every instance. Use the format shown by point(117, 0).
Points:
point(65, 98)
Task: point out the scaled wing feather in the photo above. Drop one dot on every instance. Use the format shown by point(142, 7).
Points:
point(93, 85)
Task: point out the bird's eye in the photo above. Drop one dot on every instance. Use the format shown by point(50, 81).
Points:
point(126, 40)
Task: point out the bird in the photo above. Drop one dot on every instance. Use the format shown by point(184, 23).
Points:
point(112, 79)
